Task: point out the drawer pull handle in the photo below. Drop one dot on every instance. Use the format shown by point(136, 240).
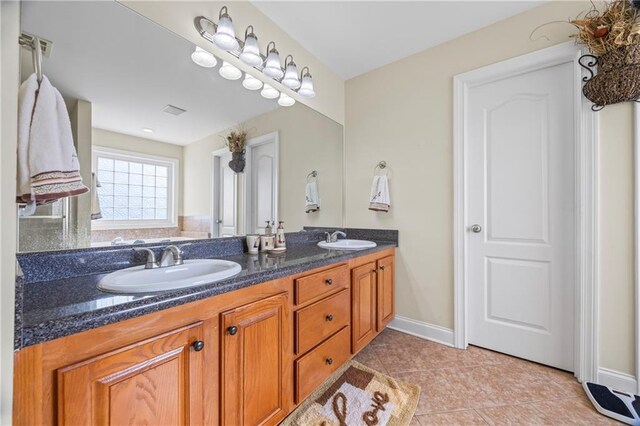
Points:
point(382, 268)
point(198, 345)
point(328, 281)
point(329, 317)
point(232, 330)
point(329, 361)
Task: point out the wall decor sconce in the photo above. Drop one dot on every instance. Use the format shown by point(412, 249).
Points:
point(251, 51)
point(290, 78)
point(223, 36)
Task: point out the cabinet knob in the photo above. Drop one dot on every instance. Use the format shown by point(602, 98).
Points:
point(375, 271)
point(232, 330)
point(329, 361)
point(329, 317)
point(328, 281)
point(382, 268)
point(198, 345)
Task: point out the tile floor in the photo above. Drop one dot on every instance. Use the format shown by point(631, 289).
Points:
point(478, 386)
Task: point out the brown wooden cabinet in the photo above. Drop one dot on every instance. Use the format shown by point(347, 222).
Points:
point(385, 292)
point(156, 381)
point(363, 305)
point(253, 389)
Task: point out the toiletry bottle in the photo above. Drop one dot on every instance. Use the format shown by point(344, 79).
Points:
point(268, 230)
point(280, 239)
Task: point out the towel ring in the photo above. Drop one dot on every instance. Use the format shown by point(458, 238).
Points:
point(312, 175)
point(382, 166)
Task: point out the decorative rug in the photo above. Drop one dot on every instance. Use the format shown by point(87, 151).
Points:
point(357, 395)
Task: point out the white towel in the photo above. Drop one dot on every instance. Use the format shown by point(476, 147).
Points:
point(312, 198)
point(380, 200)
point(48, 167)
point(96, 210)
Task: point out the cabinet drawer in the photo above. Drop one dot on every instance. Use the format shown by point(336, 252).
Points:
point(316, 366)
point(317, 285)
point(320, 320)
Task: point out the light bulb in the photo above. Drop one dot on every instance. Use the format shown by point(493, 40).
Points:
point(269, 92)
point(203, 58)
point(229, 72)
point(272, 66)
point(306, 87)
point(251, 83)
point(291, 79)
point(286, 100)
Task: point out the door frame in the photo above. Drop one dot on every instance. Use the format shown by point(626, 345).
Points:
point(586, 198)
point(215, 190)
point(247, 188)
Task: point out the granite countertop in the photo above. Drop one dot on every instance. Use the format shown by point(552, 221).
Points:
point(60, 307)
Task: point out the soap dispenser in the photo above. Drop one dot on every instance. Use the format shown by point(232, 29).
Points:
point(280, 239)
point(268, 230)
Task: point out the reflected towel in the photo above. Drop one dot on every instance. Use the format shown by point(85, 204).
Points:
point(312, 198)
point(48, 167)
point(96, 211)
point(380, 200)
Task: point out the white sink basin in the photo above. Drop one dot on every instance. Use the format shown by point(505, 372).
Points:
point(347, 245)
point(190, 274)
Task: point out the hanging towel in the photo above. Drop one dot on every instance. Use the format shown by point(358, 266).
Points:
point(380, 200)
point(96, 211)
point(48, 167)
point(312, 198)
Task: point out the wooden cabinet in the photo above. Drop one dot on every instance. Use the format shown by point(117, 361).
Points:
point(156, 381)
point(253, 389)
point(385, 292)
point(363, 305)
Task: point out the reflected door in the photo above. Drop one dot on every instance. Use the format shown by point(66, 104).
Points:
point(263, 183)
point(225, 221)
point(521, 215)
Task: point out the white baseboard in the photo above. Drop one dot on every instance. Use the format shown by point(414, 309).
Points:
point(617, 380)
point(422, 329)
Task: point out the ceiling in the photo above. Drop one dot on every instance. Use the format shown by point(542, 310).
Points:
point(353, 37)
point(129, 68)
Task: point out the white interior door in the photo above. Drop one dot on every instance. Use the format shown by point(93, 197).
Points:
point(520, 193)
point(225, 197)
point(263, 182)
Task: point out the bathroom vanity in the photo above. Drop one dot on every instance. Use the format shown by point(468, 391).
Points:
point(246, 350)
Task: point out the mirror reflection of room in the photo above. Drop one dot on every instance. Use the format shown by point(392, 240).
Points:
point(153, 145)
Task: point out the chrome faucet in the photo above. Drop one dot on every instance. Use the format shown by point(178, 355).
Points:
point(332, 238)
point(171, 256)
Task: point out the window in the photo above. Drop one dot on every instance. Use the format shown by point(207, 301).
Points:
point(136, 190)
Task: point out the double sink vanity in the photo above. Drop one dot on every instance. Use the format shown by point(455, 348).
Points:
point(220, 337)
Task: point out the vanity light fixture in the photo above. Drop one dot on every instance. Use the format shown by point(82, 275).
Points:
point(229, 72)
point(203, 58)
point(251, 83)
point(272, 67)
point(286, 100)
point(269, 92)
point(225, 36)
point(306, 87)
point(290, 79)
point(250, 51)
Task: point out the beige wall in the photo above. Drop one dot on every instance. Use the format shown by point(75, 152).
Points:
point(178, 16)
point(9, 81)
point(308, 141)
point(402, 113)
point(108, 139)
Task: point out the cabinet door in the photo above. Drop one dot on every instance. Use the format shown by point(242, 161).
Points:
point(253, 338)
point(385, 291)
point(157, 381)
point(363, 305)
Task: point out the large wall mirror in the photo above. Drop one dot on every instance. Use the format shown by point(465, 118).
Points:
point(149, 127)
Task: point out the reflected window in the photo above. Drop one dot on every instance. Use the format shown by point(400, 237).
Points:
point(134, 190)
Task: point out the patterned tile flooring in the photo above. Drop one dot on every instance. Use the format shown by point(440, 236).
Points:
point(478, 386)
